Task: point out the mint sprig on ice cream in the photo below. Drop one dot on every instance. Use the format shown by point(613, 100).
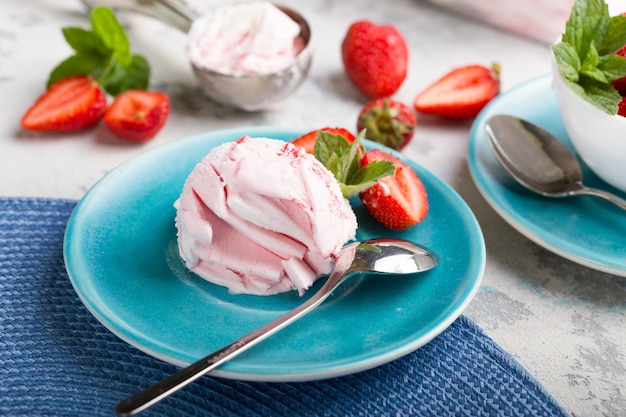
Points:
point(342, 159)
point(586, 54)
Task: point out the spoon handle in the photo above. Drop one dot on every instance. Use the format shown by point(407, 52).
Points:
point(153, 394)
point(620, 202)
point(175, 13)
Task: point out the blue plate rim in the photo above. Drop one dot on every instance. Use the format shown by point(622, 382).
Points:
point(344, 369)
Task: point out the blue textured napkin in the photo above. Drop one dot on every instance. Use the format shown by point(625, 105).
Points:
point(56, 359)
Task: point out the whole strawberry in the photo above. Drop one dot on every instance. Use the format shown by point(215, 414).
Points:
point(375, 58)
point(387, 121)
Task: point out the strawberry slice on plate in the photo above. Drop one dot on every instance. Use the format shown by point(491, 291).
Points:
point(307, 141)
point(137, 115)
point(69, 105)
point(399, 201)
point(462, 93)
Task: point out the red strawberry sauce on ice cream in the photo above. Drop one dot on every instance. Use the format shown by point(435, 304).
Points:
point(245, 39)
point(261, 216)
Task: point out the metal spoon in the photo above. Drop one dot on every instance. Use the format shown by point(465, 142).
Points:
point(382, 256)
point(538, 160)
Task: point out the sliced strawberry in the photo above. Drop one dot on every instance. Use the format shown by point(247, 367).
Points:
point(70, 104)
point(307, 141)
point(462, 93)
point(387, 121)
point(138, 115)
point(399, 201)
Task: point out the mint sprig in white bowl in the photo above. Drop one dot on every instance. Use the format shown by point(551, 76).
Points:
point(584, 66)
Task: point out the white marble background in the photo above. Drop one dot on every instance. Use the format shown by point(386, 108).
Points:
point(563, 322)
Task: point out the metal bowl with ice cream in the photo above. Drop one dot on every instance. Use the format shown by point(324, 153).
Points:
point(248, 55)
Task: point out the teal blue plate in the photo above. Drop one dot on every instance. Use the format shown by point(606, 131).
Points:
point(586, 230)
point(122, 259)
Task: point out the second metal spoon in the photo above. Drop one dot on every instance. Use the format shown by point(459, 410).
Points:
point(382, 256)
point(538, 160)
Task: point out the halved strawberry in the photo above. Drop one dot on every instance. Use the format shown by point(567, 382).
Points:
point(462, 93)
point(307, 141)
point(387, 121)
point(137, 115)
point(399, 201)
point(70, 104)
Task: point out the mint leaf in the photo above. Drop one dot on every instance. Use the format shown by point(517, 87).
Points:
point(567, 60)
point(613, 66)
point(589, 66)
point(615, 37)
point(333, 151)
point(586, 54)
point(589, 21)
point(80, 64)
point(107, 28)
point(104, 54)
point(84, 41)
point(367, 176)
point(606, 99)
point(135, 77)
point(342, 159)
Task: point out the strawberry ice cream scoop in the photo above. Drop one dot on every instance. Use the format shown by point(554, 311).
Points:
point(247, 38)
point(261, 216)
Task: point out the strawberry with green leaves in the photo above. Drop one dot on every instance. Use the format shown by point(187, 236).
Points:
point(104, 54)
point(102, 63)
point(387, 121)
point(343, 159)
point(375, 58)
point(462, 93)
point(586, 55)
point(398, 201)
point(389, 189)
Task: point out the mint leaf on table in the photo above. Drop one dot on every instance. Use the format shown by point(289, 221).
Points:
point(342, 159)
point(84, 41)
point(103, 53)
point(112, 34)
point(586, 54)
point(134, 77)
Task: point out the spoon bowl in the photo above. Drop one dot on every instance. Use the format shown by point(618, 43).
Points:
point(382, 256)
point(538, 160)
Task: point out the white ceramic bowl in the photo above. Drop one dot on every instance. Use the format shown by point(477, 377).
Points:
point(599, 138)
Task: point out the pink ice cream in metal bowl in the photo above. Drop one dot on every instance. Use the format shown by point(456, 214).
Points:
point(250, 55)
point(261, 216)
